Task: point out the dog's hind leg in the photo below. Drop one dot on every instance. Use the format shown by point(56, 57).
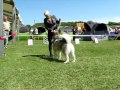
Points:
point(67, 58)
point(73, 56)
point(55, 55)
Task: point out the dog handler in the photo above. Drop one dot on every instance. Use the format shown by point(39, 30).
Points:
point(51, 24)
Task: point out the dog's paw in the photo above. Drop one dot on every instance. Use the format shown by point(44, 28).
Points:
point(66, 62)
point(73, 61)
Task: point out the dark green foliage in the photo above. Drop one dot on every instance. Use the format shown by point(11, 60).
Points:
point(112, 23)
point(67, 23)
point(37, 25)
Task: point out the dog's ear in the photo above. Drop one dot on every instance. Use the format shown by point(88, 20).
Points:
point(59, 31)
point(55, 33)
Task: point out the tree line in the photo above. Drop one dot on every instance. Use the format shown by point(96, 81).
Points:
point(111, 24)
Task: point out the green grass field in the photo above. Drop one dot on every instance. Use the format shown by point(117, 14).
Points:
point(29, 67)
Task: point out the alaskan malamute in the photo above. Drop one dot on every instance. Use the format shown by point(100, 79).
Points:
point(62, 43)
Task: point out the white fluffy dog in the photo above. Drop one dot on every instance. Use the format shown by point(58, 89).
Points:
point(62, 43)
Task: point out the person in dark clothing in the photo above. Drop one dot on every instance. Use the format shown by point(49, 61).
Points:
point(76, 31)
point(51, 24)
point(73, 30)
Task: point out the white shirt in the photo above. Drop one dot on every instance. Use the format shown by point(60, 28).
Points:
point(6, 25)
point(36, 31)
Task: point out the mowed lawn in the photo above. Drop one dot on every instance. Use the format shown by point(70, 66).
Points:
point(30, 68)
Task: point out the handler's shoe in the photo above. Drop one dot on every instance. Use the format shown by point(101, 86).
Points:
point(5, 46)
point(51, 55)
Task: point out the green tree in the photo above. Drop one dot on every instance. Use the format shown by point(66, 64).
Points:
point(37, 25)
point(112, 23)
point(90, 22)
point(67, 23)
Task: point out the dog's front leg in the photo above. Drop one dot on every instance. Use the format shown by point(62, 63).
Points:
point(59, 56)
point(74, 57)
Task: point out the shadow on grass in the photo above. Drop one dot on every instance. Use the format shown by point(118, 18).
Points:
point(45, 57)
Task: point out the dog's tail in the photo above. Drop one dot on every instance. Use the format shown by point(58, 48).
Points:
point(67, 38)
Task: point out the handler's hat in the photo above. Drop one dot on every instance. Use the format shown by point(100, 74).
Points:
point(46, 12)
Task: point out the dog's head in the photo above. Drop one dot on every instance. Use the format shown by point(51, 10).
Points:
point(56, 32)
point(57, 37)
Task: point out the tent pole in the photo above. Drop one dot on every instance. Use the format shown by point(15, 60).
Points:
point(14, 21)
point(2, 51)
point(18, 23)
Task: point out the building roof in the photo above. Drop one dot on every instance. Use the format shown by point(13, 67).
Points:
point(9, 8)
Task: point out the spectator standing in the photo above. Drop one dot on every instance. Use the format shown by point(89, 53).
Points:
point(6, 30)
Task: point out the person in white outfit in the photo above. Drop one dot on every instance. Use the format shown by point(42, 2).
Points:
point(6, 30)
